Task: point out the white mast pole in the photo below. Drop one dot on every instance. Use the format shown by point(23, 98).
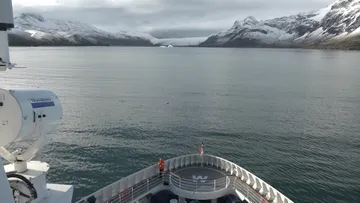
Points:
point(6, 23)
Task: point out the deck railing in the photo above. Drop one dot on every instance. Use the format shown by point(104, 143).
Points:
point(199, 185)
point(257, 190)
point(136, 191)
point(248, 192)
point(127, 189)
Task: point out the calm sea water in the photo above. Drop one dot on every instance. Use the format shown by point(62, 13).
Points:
point(292, 117)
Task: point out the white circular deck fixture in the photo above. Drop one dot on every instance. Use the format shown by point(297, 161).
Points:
point(174, 201)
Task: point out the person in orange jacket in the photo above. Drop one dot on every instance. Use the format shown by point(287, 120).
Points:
point(202, 148)
point(161, 165)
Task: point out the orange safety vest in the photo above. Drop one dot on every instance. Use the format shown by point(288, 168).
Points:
point(161, 164)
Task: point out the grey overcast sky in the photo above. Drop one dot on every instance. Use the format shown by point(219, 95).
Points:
point(166, 18)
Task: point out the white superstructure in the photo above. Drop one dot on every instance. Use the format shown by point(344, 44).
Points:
point(26, 113)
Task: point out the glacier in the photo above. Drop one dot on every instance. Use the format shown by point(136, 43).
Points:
point(186, 41)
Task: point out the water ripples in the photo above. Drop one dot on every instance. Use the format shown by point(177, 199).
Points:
point(293, 120)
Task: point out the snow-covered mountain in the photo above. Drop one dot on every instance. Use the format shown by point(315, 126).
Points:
point(328, 27)
point(336, 26)
point(34, 29)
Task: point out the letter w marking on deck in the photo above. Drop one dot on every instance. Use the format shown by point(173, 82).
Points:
point(201, 178)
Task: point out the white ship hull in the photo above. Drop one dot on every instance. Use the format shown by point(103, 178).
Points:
point(196, 177)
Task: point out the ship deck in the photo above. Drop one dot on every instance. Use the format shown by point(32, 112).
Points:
point(189, 178)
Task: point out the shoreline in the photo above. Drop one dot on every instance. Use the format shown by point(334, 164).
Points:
point(195, 46)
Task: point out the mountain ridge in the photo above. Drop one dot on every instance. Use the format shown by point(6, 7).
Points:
point(329, 27)
point(32, 29)
point(336, 26)
point(35, 30)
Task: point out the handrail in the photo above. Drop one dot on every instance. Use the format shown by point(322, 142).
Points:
point(199, 185)
point(129, 188)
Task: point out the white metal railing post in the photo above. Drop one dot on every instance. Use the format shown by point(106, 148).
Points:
point(228, 182)
point(170, 179)
point(148, 184)
point(202, 159)
point(235, 179)
point(214, 185)
point(132, 194)
point(180, 183)
point(247, 192)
